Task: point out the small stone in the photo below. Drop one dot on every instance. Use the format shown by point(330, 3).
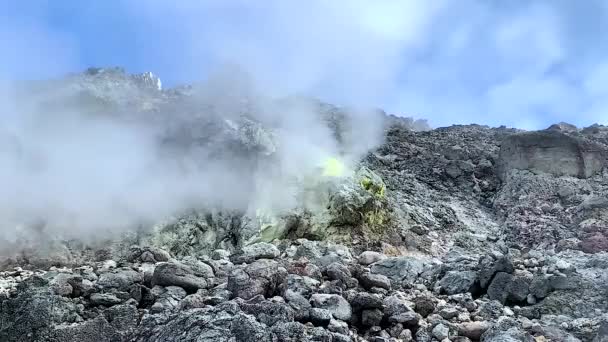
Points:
point(409, 319)
point(371, 317)
point(106, 299)
point(562, 265)
point(320, 317)
point(531, 300)
point(364, 300)
point(448, 313)
point(336, 304)
point(370, 257)
point(406, 335)
point(260, 250)
point(424, 306)
point(338, 327)
point(369, 280)
point(440, 332)
point(473, 330)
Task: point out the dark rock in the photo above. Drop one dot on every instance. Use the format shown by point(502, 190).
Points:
point(297, 332)
point(222, 323)
point(409, 319)
point(262, 277)
point(33, 312)
point(424, 306)
point(320, 317)
point(488, 268)
point(518, 289)
point(458, 282)
point(540, 286)
point(123, 319)
point(337, 271)
point(364, 300)
point(269, 313)
point(371, 317)
point(499, 288)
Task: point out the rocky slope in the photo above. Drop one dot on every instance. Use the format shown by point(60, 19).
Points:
point(465, 233)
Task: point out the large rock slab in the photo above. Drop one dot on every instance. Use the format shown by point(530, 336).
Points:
point(399, 269)
point(551, 152)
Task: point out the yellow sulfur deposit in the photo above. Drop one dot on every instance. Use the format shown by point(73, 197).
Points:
point(333, 167)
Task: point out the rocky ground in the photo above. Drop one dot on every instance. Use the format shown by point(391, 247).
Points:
point(465, 233)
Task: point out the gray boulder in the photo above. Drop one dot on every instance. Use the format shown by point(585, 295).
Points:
point(260, 250)
point(370, 280)
point(458, 282)
point(499, 288)
point(177, 274)
point(262, 277)
point(120, 279)
point(320, 317)
point(337, 305)
point(399, 269)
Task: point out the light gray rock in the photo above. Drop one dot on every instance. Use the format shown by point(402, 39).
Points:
point(177, 274)
point(260, 250)
point(399, 269)
point(370, 257)
point(441, 332)
point(336, 304)
point(370, 280)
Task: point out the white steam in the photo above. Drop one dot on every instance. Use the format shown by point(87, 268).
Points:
point(75, 168)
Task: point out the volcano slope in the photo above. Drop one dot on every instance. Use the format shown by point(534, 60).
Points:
point(464, 233)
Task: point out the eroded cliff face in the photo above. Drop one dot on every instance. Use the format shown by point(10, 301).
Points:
point(552, 152)
point(459, 233)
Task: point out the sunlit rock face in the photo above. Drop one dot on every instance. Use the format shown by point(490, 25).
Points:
point(551, 152)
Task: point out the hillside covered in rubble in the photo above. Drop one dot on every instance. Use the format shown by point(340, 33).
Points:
point(213, 213)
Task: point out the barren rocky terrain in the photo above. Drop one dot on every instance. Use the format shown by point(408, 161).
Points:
point(462, 233)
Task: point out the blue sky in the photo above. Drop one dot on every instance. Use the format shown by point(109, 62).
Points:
point(519, 63)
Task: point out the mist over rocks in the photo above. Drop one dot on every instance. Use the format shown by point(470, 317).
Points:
point(214, 213)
